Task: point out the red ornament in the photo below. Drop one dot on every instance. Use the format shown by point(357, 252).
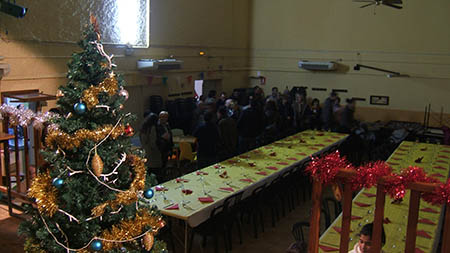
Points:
point(440, 196)
point(396, 186)
point(326, 168)
point(129, 131)
point(368, 175)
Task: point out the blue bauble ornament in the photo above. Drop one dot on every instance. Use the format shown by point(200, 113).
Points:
point(58, 182)
point(79, 108)
point(96, 245)
point(148, 194)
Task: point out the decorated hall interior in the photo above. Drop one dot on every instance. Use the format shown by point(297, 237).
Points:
point(224, 126)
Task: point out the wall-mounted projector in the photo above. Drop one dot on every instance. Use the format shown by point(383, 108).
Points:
point(164, 64)
point(309, 65)
point(12, 9)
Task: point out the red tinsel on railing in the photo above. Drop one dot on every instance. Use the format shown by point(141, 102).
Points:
point(325, 169)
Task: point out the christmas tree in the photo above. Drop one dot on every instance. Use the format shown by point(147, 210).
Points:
point(92, 193)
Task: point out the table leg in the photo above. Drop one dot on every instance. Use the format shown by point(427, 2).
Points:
point(185, 237)
point(8, 176)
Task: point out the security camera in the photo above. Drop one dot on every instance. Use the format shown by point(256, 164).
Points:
point(12, 9)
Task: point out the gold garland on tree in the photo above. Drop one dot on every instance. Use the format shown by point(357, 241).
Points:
point(45, 194)
point(129, 196)
point(90, 95)
point(129, 229)
point(57, 138)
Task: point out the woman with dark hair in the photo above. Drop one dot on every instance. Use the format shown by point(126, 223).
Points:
point(150, 142)
point(316, 122)
point(208, 137)
point(364, 243)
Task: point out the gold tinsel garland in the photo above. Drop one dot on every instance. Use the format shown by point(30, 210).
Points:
point(129, 196)
point(90, 95)
point(128, 229)
point(45, 194)
point(57, 138)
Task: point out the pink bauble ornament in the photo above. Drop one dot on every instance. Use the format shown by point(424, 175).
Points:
point(124, 93)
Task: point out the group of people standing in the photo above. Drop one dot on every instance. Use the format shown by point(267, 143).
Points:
point(224, 128)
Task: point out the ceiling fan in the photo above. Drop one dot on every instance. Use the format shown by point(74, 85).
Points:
point(391, 3)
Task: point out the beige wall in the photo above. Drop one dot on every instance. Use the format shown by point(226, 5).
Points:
point(180, 28)
point(413, 41)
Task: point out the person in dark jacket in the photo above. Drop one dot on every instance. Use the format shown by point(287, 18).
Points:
point(250, 126)
point(208, 138)
point(327, 112)
point(302, 113)
point(272, 121)
point(228, 134)
point(347, 122)
point(286, 115)
point(150, 141)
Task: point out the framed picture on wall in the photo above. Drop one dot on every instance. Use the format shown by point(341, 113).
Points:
point(379, 100)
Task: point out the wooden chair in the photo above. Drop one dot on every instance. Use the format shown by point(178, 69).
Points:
point(410, 244)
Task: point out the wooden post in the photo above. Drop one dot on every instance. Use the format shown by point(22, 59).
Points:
point(413, 216)
point(378, 220)
point(446, 236)
point(314, 224)
point(27, 158)
point(17, 157)
point(346, 217)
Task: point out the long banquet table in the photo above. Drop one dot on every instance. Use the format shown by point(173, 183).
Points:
point(241, 173)
point(435, 160)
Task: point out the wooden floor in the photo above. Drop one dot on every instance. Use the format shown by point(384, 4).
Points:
point(275, 239)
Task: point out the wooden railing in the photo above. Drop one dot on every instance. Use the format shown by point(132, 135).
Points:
point(344, 176)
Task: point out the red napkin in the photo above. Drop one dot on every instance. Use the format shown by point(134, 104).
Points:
point(319, 145)
point(320, 134)
point(328, 140)
point(327, 249)
point(179, 180)
point(262, 173)
point(443, 156)
point(273, 154)
point(173, 207)
point(439, 167)
point(272, 168)
point(202, 173)
point(267, 147)
point(313, 148)
point(396, 158)
point(244, 156)
point(419, 251)
point(436, 175)
point(429, 210)
point(369, 195)
point(356, 217)
point(441, 161)
point(398, 153)
point(335, 137)
point(445, 151)
point(292, 159)
point(301, 153)
point(186, 191)
point(426, 221)
point(362, 204)
point(423, 233)
point(282, 163)
point(232, 161)
point(252, 164)
point(248, 180)
point(205, 199)
point(402, 149)
point(160, 188)
point(339, 229)
point(229, 189)
point(423, 149)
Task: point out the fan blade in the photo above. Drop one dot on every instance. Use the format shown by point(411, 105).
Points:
point(393, 1)
point(367, 5)
point(393, 6)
